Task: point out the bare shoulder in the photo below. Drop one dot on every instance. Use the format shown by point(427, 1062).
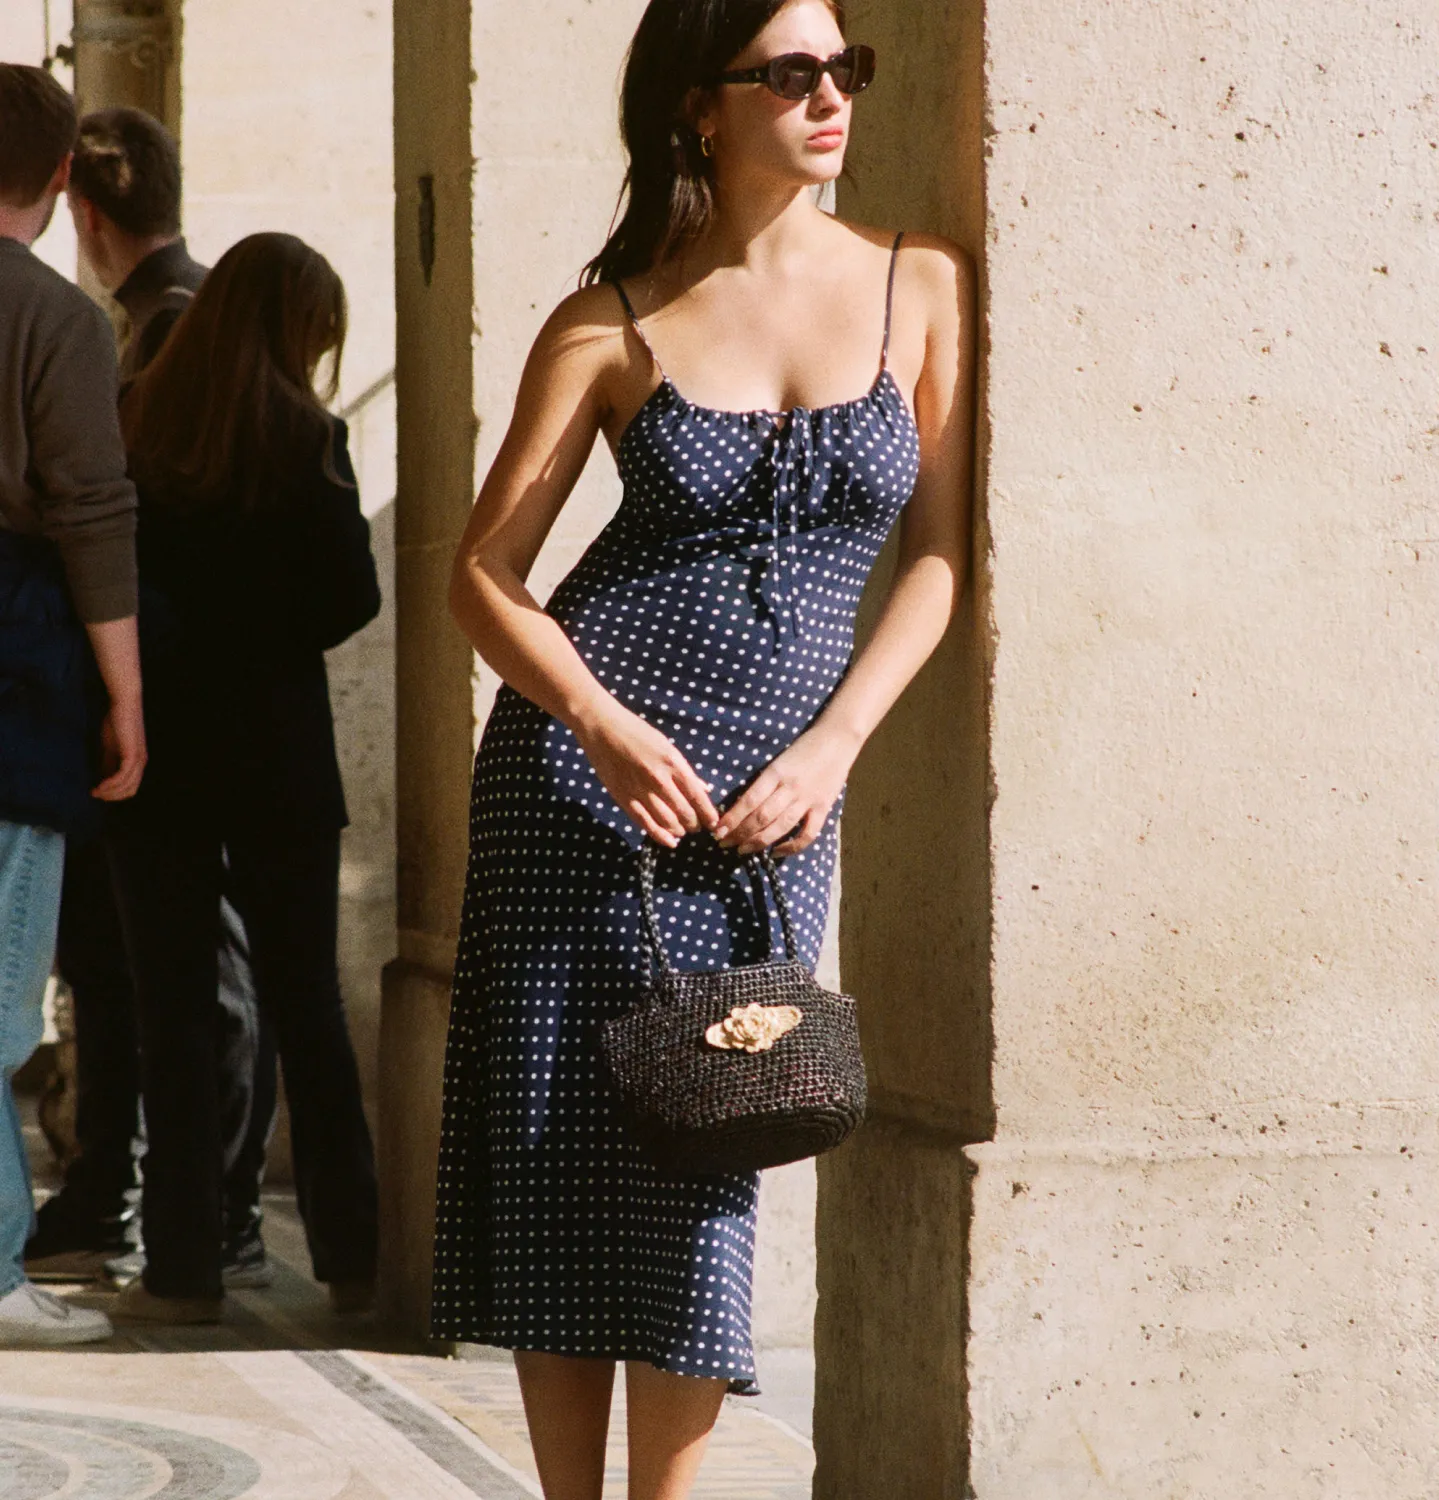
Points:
point(933, 271)
point(939, 274)
point(585, 332)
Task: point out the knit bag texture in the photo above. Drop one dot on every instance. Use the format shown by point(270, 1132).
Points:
point(734, 1070)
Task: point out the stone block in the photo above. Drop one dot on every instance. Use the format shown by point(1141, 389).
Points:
point(1203, 1324)
point(889, 1341)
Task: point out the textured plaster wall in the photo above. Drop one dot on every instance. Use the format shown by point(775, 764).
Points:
point(547, 174)
point(1202, 1248)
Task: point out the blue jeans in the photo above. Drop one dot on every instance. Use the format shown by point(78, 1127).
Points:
point(32, 866)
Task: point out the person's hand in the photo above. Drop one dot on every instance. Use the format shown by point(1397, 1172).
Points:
point(648, 778)
point(793, 795)
point(122, 751)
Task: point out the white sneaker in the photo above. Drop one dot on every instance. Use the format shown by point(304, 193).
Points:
point(31, 1316)
point(125, 1268)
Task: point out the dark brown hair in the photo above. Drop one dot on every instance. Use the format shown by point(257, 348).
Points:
point(37, 132)
point(228, 408)
point(668, 196)
point(128, 165)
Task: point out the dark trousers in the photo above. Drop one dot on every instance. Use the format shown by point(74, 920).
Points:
point(90, 954)
point(169, 876)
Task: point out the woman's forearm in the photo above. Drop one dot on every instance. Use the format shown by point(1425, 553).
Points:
point(526, 647)
point(912, 622)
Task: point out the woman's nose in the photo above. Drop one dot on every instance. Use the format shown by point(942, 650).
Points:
point(826, 99)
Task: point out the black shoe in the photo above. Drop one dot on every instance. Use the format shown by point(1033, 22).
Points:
point(72, 1242)
point(246, 1264)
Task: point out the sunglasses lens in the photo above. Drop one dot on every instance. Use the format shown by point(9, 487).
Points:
point(794, 76)
point(854, 70)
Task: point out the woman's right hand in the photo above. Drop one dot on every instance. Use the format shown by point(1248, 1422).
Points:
point(648, 778)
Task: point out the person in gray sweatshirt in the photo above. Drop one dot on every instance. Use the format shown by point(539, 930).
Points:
point(69, 639)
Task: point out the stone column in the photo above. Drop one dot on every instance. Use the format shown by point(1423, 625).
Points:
point(915, 912)
point(125, 52)
point(505, 183)
point(1196, 1256)
point(434, 298)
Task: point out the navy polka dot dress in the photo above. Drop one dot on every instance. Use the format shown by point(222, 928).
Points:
point(718, 604)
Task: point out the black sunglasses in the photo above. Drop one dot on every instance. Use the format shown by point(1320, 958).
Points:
point(797, 75)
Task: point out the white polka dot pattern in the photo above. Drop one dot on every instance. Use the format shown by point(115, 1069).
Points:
point(719, 603)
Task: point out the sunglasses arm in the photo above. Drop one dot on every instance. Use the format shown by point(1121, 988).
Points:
point(745, 75)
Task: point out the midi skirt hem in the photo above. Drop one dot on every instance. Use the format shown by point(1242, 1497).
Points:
point(671, 1364)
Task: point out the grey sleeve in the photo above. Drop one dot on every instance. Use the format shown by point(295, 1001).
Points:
point(78, 466)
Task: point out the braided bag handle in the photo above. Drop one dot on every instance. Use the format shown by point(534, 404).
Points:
point(649, 920)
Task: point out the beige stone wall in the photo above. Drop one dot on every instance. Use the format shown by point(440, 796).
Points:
point(518, 184)
point(1217, 1044)
point(1196, 1259)
point(1215, 825)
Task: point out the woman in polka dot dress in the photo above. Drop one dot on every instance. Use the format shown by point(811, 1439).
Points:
point(691, 676)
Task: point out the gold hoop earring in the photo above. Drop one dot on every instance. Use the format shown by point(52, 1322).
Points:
point(707, 146)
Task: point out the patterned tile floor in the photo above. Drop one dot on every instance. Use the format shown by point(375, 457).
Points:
point(283, 1401)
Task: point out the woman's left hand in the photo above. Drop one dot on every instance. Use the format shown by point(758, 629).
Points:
point(793, 795)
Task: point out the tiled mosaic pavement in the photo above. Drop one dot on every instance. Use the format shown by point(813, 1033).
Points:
point(277, 1404)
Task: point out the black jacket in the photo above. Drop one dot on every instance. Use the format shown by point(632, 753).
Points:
point(154, 295)
point(237, 608)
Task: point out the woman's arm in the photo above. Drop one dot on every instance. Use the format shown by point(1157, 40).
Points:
point(340, 591)
point(559, 411)
point(798, 790)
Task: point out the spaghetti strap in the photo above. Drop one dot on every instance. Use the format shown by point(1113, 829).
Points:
point(888, 299)
point(629, 308)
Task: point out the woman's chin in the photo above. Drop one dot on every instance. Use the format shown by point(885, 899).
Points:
point(820, 168)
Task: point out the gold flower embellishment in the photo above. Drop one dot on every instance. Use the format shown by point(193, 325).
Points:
point(754, 1028)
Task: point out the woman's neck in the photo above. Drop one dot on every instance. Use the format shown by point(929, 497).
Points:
point(758, 229)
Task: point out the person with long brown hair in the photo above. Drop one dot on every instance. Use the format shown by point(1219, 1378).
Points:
point(254, 560)
point(780, 389)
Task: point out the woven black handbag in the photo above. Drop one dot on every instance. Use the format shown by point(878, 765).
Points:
point(734, 1070)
